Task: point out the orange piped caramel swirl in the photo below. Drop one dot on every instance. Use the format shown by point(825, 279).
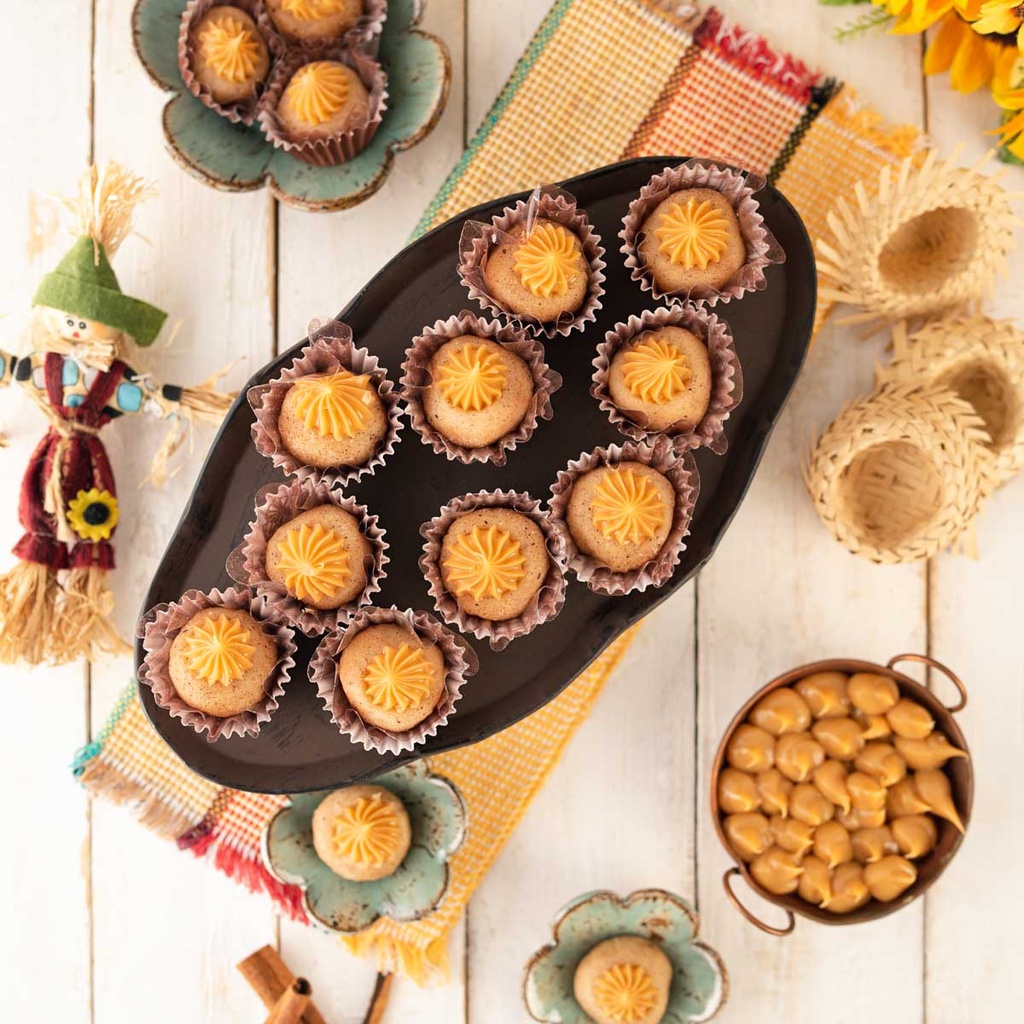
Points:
point(546, 259)
point(625, 993)
point(626, 507)
point(229, 47)
point(472, 379)
point(219, 650)
point(693, 235)
point(311, 10)
point(314, 562)
point(367, 832)
point(397, 679)
point(488, 562)
point(318, 91)
point(656, 371)
point(336, 405)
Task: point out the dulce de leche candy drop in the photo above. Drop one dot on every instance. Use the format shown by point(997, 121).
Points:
point(849, 890)
point(774, 788)
point(873, 727)
point(825, 694)
point(737, 791)
point(932, 786)
point(873, 694)
point(858, 818)
point(749, 834)
point(797, 754)
point(902, 799)
point(781, 711)
point(882, 763)
point(751, 749)
point(909, 719)
point(842, 738)
point(832, 844)
point(915, 834)
point(830, 779)
point(872, 844)
point(931, 752)
point(866, 793)
point(777, 871)
point(815, 884)
point(792, 834)
point(890, 877)
point(808, 805)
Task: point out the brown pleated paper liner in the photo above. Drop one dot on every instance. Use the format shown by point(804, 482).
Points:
point(318, 149)
point(550, 203)
point(330, 349)
point(726, 377)
point(161, 624)
point(416, 377)
point(739, 189)
point(277, 504)
point(460, 663)
point(244, 111)
point(547, 602)
point(363, 35)
point(681, 472)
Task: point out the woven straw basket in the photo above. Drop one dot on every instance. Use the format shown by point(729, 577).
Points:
point(981, 361)
point(925, 240)
point(897, 476)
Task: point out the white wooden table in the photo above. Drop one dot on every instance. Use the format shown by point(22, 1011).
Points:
point(102, 922)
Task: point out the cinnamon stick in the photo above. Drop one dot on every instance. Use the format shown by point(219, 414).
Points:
point(269, 977)
point(379, 1002)
point(290, 1008)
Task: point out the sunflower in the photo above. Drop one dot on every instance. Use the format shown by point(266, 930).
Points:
point(1008, 92)
point(913, 16)
point(1002, 18)
point(93, 514)
point(969, 58)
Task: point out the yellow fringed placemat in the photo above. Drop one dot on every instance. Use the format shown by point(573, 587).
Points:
point(686, 83)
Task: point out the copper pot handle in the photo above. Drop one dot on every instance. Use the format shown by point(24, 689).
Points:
point(924, 659)
point(748, 914)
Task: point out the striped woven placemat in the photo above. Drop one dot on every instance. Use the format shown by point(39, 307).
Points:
point(601, 81)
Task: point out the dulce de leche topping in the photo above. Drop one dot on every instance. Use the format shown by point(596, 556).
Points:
point(774, 788)
point(335, 404)
point(866, 793)
point(656, 371)
point(311, 10)
point(909, 719)
point(881, 762)
point(399, 678)
point(318, 91)
point(841, 737)
point(830, 780)
point(737, 792)
point(872, 844)
point(227, 44)
point(626, 507)
point(890, 877)
point(471, 379)
point(932, 787)
point(748, 834)
point(693, 234)
point(931, 752)
point(915, 834)
point(816, 881)
point(792, 834)
point(832, 844)
point(825, 694)
point(546, 259)
point(782, 711)
point(313, 562)
point(219, 649)
point(797, 754)
point(873, 694)
point(487, 562)
point(777, 870)
point(366, 832)
point(625, 993)
point(807, 804)
point(849, 890)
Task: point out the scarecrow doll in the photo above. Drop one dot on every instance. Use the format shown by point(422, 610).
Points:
point(55, 604)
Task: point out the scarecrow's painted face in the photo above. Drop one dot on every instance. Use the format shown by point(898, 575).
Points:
point(77, 329)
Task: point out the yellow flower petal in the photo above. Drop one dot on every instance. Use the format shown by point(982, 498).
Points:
point(974, 63)
point(943, 48)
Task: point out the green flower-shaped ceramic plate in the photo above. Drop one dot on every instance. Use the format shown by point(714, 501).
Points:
point(238, 158)
point(700, 984)
point(437, 815)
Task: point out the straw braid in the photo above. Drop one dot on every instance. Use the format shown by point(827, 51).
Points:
point(897, 476)
point(920, 241)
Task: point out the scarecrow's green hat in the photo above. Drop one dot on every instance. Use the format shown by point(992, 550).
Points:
point(84, 284)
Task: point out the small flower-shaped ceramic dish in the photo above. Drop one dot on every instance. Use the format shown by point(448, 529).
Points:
point(700, 984)
point(437, 814)
point(237, 158)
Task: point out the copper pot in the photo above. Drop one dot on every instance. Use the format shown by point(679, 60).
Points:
point(959, 770)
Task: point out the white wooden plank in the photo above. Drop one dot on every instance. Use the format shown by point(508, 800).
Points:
point(616, 813)
point(45, 856)
point(976, 609)
point(323, 259)
point(156, 908)
point(781, 592)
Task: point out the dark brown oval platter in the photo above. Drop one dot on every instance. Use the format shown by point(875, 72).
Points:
point(299, 749)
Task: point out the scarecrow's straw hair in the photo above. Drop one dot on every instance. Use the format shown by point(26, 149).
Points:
point(105, 204)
